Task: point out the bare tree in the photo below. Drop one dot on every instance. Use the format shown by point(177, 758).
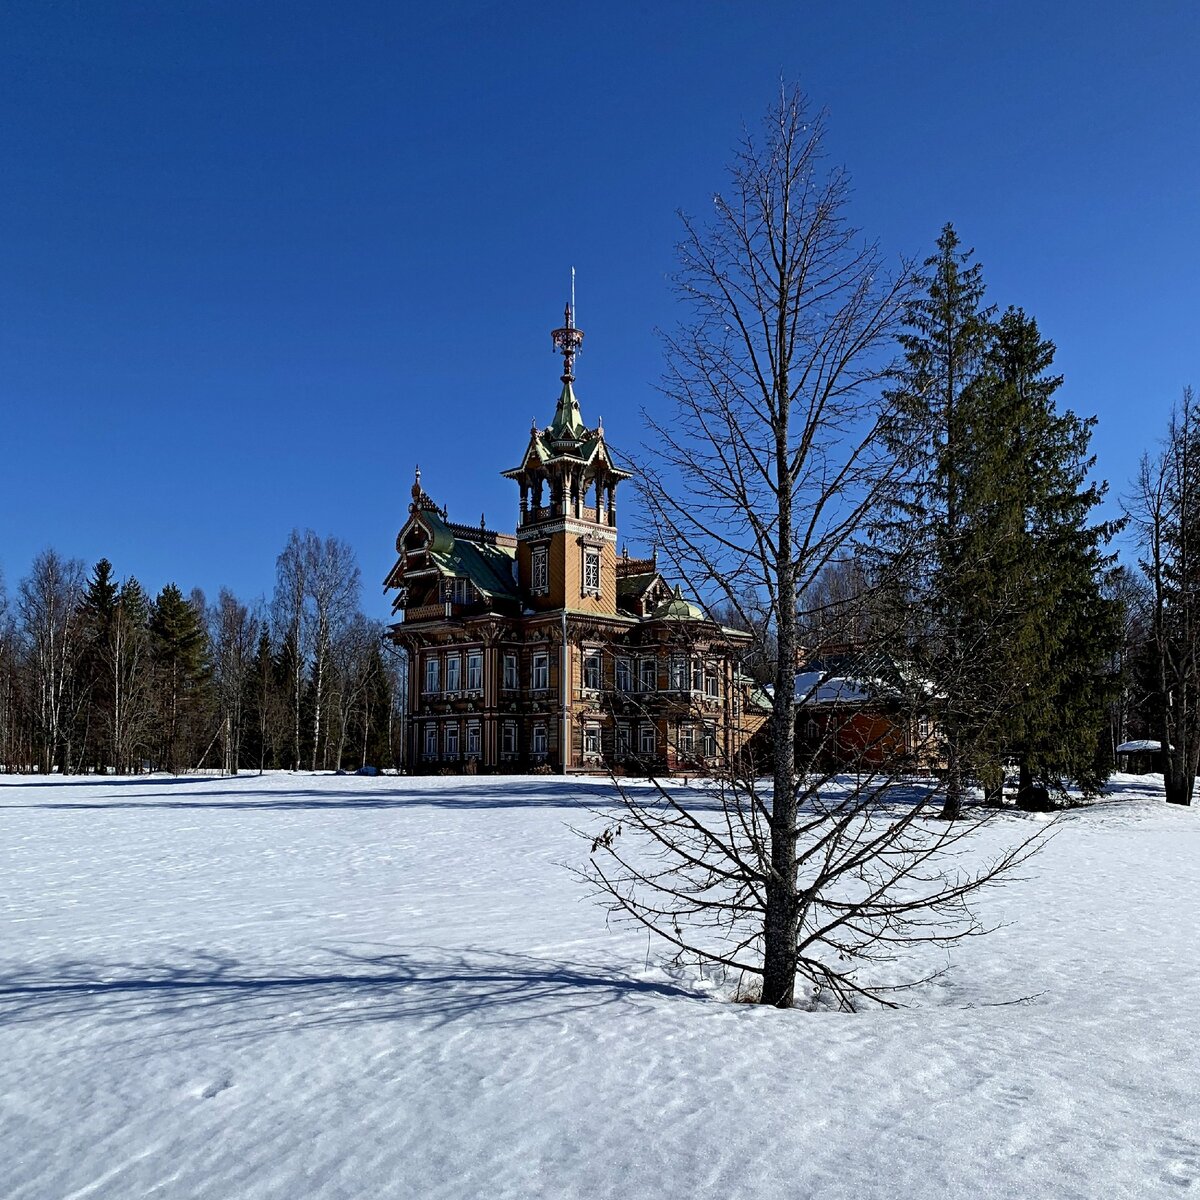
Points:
point(233, 634)
point(288, 615)
point(334, 588)
point(1165, 513)
point(48, 604)
point(771, 463)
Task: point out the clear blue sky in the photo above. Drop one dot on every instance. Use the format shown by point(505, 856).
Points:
point(257, 259)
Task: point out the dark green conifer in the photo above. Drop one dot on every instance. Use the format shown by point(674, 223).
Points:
point(179, 646)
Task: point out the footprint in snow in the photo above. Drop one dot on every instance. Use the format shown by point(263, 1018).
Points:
point(217, 1087)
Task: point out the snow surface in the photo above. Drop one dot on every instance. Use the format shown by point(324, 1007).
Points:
point(303, 986)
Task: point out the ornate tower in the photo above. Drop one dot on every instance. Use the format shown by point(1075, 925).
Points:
point(567, 527)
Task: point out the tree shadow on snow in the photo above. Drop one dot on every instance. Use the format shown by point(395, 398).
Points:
point(227, 998)
point(505, 793)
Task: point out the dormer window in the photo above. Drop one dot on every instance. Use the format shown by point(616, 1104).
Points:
point(459, 591)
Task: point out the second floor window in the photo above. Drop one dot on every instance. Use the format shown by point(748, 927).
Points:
point(647, 675)
point(539, 574)
point(541, 672)
point(433, 675)
point(710, 680)
point(591, 571)
point(679, 674)
point(624, 675)
point(475, 671)
point(511, 681)
point(592, 670)
point(453, 673)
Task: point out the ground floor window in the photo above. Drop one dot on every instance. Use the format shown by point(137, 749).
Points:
point(624, 740)
point(508, 738)
point(647, 740)
point(431, 741)
point(710, 741)
point(473, 739)
point(591, 738)
point(451, 741)
point(538, 741)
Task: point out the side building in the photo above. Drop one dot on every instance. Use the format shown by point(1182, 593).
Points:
point(547, 648)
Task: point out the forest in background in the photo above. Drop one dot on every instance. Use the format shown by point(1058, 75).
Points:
point(98, 676)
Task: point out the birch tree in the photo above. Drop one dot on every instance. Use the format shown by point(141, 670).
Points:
point(48, 605)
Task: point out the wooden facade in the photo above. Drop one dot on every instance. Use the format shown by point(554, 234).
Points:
point(545, 647)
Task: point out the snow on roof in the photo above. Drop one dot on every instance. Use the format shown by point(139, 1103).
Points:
point(1139, 745)
point(818, 687)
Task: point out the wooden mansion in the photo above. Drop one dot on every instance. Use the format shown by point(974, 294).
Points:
point(547, 647)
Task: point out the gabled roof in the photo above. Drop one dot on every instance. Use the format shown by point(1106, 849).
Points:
point(459, 551)
point(859, 678)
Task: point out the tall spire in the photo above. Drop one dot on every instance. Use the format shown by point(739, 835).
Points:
point(568, 420)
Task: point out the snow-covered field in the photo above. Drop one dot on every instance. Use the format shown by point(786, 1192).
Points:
point(307, 986)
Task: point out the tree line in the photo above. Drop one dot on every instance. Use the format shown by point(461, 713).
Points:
point(98, 676)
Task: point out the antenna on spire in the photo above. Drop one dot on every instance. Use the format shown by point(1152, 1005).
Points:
point(572, 296)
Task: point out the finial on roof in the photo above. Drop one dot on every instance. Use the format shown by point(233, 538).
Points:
point(600, 427)
point(416, 487)
point(625, 550)
point(482, 522)
point(567, 342)
point(533, 426)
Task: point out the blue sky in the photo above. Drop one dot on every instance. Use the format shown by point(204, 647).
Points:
point(256, 260)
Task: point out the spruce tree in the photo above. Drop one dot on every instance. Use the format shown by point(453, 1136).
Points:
point(180, 651)
point(949, 464)
point(131, 675)
point(1062, 630)
point(98, 613)
point(1008, 564)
